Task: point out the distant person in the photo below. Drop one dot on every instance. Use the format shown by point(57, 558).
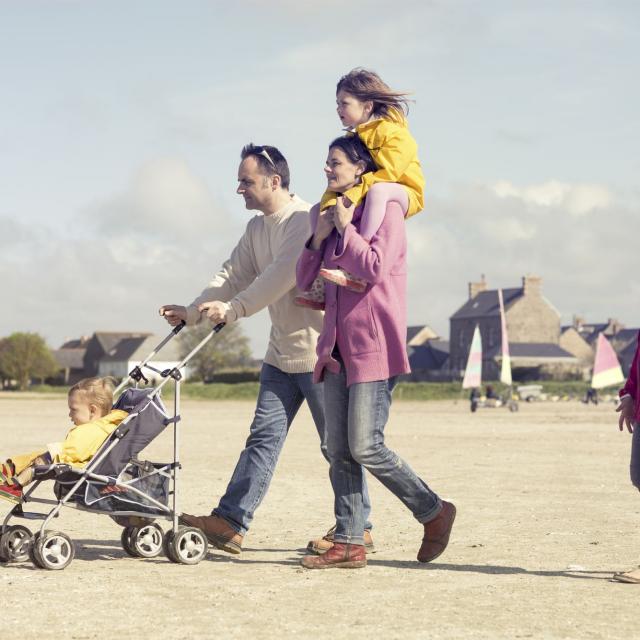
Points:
point(261, 273)
point(376, 114)
point(591, 396)
point(361, 353)
point(474, 399)
point(629, 409)
point(90, 409)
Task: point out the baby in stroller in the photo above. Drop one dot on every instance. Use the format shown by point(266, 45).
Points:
point(90, 409)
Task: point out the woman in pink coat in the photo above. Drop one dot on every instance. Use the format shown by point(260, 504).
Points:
point(361, 351)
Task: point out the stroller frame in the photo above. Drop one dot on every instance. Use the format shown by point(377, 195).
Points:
point(141, 536)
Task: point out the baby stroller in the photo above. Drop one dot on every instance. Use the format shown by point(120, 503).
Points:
point(134, 492)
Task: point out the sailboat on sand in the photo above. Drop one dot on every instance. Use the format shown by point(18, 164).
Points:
point(473, 372)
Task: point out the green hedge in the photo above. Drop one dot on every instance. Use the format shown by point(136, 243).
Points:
point(404, 390)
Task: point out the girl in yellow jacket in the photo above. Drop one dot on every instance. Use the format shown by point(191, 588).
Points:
point(90, 402)
point(374, 112)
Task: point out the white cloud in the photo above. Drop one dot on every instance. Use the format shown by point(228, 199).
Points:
point(577, 199)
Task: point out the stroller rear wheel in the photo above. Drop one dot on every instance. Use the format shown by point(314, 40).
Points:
point(52, 550)
point(188, 546)
point(15, 543)
point(127, 545)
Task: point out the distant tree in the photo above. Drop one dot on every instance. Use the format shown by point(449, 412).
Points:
point(24, 356)
point(226, 350)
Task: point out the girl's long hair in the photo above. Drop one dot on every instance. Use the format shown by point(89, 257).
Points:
point(367, 85)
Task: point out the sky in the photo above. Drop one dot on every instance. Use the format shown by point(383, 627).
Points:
point(122, 122)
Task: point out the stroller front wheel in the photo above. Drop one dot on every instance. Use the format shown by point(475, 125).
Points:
point(52, 550)
point(188, 546)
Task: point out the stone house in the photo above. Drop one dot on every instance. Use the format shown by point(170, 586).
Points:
point(533, 325)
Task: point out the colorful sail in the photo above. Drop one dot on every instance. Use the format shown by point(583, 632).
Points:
point(473, 372)
point(606, 368)
point(505, 371)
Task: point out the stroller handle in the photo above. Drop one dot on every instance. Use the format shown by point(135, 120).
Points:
point(137, 375)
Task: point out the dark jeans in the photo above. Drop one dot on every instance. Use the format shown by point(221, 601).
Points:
point(279, 398)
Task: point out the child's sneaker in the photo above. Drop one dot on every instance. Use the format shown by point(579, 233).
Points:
point(7, 471)
point(11, 492)
point(314, 298)
point(343, 279)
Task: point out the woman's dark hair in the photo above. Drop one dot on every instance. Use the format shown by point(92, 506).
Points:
point(368, 85)
point(355, 150)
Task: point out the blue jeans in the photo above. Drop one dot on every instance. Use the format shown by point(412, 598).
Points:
point(356, 417)
point(279, 398)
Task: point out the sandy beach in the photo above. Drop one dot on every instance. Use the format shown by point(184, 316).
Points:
point(546, 514)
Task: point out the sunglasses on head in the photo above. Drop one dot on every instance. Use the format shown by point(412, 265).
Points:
point(261, 151)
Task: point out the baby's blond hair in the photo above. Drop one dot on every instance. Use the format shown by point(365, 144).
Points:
point(98, 391)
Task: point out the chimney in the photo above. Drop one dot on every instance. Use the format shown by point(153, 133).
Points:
point(532, 285)
point(477, 287)
point(577, 323)
point(613, 326)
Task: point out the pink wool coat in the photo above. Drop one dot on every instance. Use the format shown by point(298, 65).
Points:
point(369, 328)
point(631, 386)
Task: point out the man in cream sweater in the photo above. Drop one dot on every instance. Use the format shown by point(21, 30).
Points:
point(261, 273)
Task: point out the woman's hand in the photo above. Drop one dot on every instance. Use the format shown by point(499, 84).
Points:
point(324, 227)
point(343, 213)
point(625, 408)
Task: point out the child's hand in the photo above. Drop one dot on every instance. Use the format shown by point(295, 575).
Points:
point(626, 408)
point(343, 214)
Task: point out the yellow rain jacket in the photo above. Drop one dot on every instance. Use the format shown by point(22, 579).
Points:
point(395, 152)
point(84, 440)
point(79, 446)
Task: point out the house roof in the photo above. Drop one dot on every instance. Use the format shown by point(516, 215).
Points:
point(110, 339)
point(625, 336)
point(69, 358)
point(625, 356)
point(420, 334)
point(486, 303)
point(138, 348)
point(431, 355)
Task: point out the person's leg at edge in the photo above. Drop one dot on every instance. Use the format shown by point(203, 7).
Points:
point(368, 414)
point(346, 475)
point(633, 576)
point(278, 402)
point(314, 395)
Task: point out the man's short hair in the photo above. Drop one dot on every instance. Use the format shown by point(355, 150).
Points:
point(270, 161)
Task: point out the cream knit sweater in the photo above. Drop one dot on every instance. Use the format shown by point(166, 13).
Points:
point(261, 272)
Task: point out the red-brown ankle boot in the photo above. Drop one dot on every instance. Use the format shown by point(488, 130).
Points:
point(340, 556)
point(436, 533)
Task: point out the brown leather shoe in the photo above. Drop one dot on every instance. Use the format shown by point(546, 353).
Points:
point(218, 531)
point(340, 556)
point(322, 545)
point(436, 533)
